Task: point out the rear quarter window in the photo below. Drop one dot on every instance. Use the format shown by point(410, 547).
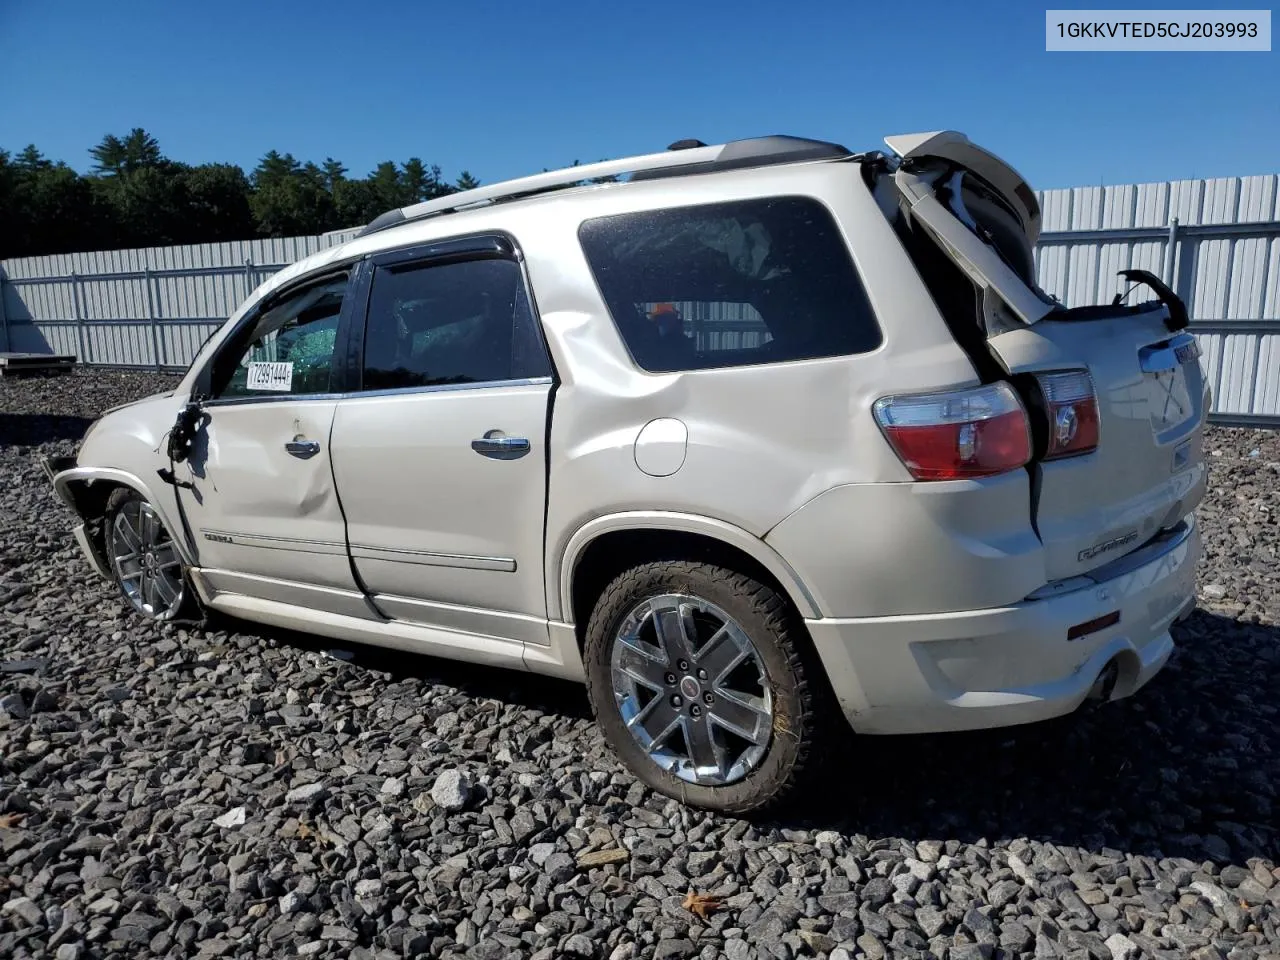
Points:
point(730, 284)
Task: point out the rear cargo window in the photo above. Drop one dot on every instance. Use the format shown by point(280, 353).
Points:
point(730, 284)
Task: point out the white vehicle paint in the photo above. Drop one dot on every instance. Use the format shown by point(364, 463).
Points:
point(937, 509)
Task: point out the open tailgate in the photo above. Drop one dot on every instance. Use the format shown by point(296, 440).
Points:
point(1147, 471)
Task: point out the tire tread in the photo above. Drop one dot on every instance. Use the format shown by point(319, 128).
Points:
point(786, 631)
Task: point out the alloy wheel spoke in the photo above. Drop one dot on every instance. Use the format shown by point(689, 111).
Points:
point(640, 665)
point(669, 625)
point(655, 722)
point(166, 590)
point(140, 528)
point(743, 714)
point(703, 688)
point(128, 534)
point(702, 749)
point(721, 654)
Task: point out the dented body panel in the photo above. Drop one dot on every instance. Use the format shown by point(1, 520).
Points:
point(932, 605)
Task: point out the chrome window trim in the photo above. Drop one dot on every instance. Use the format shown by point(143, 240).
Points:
point(388, 392)
point(450, 387)
point(268, 398)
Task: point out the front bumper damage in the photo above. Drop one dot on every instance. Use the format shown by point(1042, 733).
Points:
point(87, 532)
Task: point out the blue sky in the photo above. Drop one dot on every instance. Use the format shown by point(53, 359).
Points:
point(506, 88)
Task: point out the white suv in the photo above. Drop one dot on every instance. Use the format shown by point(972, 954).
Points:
point(740, 435)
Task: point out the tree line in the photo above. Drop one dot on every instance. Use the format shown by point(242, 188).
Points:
point(137, 197)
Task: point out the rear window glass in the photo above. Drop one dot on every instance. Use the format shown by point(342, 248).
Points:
point(730, 284)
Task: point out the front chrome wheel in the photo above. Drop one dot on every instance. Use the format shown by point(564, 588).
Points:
point(145, 560)
point(692, 689)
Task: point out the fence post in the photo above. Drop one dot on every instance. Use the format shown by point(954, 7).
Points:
point(248, 278)
point(148, 279)
point(79, 318)
point(1170, 252)
point(4, 318)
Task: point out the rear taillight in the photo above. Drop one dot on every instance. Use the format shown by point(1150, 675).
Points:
point(1072, 410)
point(975, 432)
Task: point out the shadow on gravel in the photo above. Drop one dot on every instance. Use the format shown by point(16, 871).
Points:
point(1188, 767)
point(515, 687)
point(30, 429)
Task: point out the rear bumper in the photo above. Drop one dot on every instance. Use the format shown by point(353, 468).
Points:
point(1013, 664)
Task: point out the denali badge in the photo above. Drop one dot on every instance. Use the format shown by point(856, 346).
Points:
point(1106, 545)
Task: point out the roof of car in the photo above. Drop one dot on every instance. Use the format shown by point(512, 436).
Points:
point(682, 158)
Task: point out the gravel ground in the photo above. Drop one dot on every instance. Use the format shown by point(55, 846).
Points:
point(231, 790)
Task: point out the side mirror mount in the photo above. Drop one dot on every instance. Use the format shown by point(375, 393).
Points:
point(190, 419)
point(203, 386)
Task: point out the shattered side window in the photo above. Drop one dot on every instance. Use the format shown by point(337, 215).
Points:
point(731, 284)
point(292, 345)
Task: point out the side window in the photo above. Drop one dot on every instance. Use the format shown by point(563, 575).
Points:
point(290, 348)
point(730, 284)
point(443, 323)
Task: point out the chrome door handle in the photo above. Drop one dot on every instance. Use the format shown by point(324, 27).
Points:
point(501, 448)
point(303, 449)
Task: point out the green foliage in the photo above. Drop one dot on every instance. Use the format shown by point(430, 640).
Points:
point(137, 197)
point(134, 152)
point(290, 200)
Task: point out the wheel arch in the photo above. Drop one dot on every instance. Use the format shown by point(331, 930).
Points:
point(86, 491)
point(612, 543)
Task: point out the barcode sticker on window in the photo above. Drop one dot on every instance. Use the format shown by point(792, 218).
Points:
point(271, 376)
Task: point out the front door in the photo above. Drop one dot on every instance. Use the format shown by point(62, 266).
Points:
point(262, 507)
point(440, 456)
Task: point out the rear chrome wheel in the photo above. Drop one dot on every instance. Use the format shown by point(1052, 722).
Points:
point(705, 685)
point(144, 558)
point(691, 689)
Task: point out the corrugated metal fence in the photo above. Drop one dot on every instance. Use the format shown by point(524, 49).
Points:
point(1217, 242)
point(151, 307)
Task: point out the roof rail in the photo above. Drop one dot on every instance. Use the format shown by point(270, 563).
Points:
point(677, 160)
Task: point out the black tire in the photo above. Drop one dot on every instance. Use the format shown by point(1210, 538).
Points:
point(799, 690)
point(125, 499)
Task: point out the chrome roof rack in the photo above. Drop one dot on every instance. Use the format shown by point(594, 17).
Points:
point(682, 157)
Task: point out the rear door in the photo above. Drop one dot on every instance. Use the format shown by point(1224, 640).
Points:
point(1147, 471)
point(440, 456)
